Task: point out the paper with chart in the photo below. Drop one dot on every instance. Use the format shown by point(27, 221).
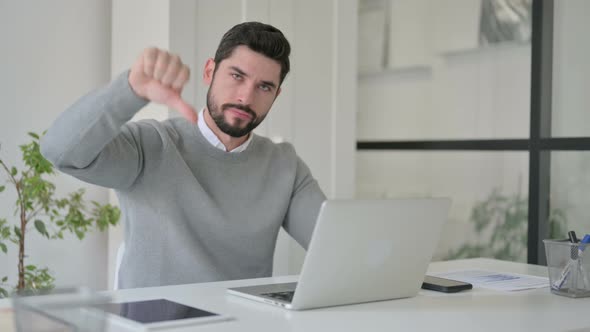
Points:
point(501, 281)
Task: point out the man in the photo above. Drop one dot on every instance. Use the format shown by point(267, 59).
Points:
point(202, 197)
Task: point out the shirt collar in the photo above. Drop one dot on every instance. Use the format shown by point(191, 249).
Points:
point(211, 138)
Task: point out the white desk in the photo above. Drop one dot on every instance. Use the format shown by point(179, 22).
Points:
point(475, 310)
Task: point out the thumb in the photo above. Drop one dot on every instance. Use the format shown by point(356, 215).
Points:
point(184, 108)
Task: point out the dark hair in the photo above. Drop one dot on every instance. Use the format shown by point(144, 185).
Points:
point(259, 37)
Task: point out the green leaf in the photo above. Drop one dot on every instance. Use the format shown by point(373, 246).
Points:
point(4, 279)
point(33, 135)
point(3, 292)
point(38, 278)
point(2, 188)
point(3, 247)
point(17, 232)
point(13, 171)
point(40, 226)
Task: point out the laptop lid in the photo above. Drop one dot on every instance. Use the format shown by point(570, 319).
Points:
point(369, 250)
point(362, 251)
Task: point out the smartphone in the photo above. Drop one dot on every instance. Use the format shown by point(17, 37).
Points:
point(444, 285)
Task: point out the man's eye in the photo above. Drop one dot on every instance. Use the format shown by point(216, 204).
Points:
point(265, 87)
point(236, 76)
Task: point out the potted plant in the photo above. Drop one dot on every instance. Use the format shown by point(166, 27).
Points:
point(37, 208)
point(500, 223)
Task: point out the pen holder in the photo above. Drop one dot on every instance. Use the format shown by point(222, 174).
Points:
point(568, 266)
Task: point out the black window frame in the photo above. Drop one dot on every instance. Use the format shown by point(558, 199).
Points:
point(539, 144)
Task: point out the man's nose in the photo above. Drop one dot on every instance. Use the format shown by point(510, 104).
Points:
point(246, 94)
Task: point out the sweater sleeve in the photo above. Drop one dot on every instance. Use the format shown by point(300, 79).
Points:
point(90, 140)
point(304, 206)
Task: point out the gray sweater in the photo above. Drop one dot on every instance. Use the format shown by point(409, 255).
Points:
point(192, 212)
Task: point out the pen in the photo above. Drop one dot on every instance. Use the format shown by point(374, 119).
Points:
point(557, 284)
point(575, 255)
point(585, 240)
point(572, 236)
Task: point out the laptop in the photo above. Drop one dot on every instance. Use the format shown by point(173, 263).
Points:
point(361, 251)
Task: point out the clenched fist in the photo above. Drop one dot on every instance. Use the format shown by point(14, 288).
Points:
point(159, 76)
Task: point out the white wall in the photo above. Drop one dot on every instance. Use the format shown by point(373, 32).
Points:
point(52, 53)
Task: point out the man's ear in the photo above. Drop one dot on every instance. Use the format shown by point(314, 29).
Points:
point(208, 71)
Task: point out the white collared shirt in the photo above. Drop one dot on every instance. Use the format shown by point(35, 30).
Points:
point(211, 138)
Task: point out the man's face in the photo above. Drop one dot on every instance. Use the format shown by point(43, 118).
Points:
point(242, 90)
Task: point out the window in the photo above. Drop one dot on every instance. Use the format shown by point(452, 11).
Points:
point(474, 121)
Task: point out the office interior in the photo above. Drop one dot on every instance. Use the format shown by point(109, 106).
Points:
point(363, 72)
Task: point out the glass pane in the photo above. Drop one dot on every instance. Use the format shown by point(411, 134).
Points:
point(439, 71)
point(571, 69)
point(570, 185)
point(489, 190)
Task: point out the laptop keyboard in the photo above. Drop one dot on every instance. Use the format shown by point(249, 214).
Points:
point(283, 296)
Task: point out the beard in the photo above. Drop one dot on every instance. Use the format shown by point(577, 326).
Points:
point(237, 129)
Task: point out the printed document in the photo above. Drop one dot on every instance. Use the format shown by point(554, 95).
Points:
point(500, 281)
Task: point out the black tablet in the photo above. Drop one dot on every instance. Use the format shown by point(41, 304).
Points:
point(156, 314)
